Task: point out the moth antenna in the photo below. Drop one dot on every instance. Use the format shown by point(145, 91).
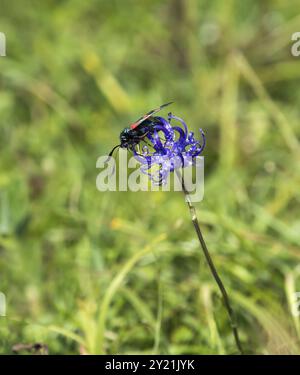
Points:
point(112, 151)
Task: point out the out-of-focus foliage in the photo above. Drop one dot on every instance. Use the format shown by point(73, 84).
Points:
point(91, 272)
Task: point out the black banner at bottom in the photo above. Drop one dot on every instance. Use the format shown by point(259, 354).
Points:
point(139, 364)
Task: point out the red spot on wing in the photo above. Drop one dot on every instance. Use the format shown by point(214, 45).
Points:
point(134, 125)
point(138, 122)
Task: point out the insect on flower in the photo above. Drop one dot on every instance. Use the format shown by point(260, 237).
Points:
point(160, 147)
point(133, 135)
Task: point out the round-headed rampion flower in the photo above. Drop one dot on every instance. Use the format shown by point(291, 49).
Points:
point(167, 148)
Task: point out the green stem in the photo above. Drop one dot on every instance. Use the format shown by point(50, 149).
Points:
point(211, 265)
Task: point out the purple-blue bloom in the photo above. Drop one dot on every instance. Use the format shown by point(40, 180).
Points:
point(167, 148)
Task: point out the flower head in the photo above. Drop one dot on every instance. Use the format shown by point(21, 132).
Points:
point(167, 148)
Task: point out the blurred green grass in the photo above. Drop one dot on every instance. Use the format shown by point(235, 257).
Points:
point(91, 272)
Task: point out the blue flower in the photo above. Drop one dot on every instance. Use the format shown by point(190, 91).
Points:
point(167, 148)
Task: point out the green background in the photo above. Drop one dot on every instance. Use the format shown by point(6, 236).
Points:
point(91, 272)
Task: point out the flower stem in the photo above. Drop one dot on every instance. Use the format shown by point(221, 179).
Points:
point(211, 265)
